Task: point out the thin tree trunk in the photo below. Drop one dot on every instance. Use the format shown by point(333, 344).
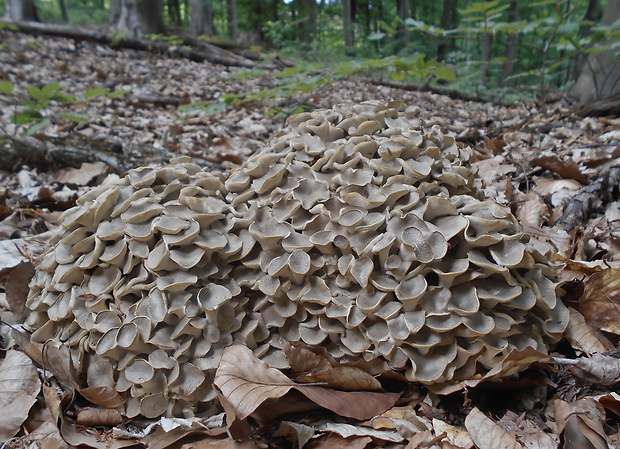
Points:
point(22, 10)
point(139, 17)
point(307, 14)
point(447, 22)
point(347, 27)
point(593, 14)
point(201, 18)
point(485, 58)
point(63, 10)
point(600, 77)
point(115, 12)
point(402, 7)
point(511, 44)
point(174, 12)
point(233, 23)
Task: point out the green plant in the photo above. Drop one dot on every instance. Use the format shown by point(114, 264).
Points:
point(34, 113)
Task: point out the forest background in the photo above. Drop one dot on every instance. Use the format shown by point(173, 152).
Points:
point(505, 50)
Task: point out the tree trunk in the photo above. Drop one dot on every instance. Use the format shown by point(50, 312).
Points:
point(307, 13)
point(174, 12)
point(139, 17)
point(402, 8)
point(201, 18)
point(485, 57)
point(63, 10)
point(511, 44)
point(600, 77)
point(115, 12)
point(347, 27)
point(233, 23)
point(593, 14)
point(22, 10)
point(447, 22)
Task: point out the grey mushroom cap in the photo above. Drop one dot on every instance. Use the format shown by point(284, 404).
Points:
point(360, 229)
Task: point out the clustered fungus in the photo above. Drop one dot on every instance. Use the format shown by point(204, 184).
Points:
point(360, 229)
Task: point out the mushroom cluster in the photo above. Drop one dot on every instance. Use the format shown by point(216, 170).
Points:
point(359, 229)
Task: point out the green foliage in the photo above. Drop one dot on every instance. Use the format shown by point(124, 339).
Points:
point(34, 112)
point(168, 39)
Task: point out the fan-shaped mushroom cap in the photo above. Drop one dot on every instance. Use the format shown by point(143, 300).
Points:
point(360, 229)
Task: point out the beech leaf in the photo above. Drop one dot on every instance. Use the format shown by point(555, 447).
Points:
point(600, 304)
point(17, 289)
point(487, 434)
point(585, 338)
point(19, 387)
point(247, 382)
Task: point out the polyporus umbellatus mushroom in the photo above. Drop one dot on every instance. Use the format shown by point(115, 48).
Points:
point(359, 229)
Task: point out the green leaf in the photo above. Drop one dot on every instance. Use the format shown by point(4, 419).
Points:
point(398, 75)
point(95, 92)
point(37, 127)
point(74, 117)
point(27, 116)
point(50, 89)
point(6, 87)
point(385, 27)
point(63, 97)
point(35, 92)
point(117, 93)
point(215, 108)
point(444, 73)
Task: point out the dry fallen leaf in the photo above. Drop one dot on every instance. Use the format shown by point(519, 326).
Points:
point(17, 290)
point(565, 168)
point(334, 441)
point(532, 211)
point(348, 378)
point(98, 417)
point(528, 433)
point(19, 387)
point(580, 423)
point(247, 382)
point(599, 369)
point(584, 337)
point(486, 434)
point(457, 438)
point(600, 304)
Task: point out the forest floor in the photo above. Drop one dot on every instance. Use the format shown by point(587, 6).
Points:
point(558, 172)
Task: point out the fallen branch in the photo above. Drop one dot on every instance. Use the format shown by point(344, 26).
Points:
point(206, 52)
point(30, 150)
point(589, 199)
point(423, 87)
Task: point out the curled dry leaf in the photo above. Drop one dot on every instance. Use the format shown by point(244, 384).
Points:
point(334, 441)
point(528, 433)
point(402, 419)
point(599, 369)
point(246, 383)
point(458, 438)
point(19, 387)
point(57, 360)
point(487, 434)
point(600, 304)
point(348, 378)
point(17, 290)
point(564, 168)
point(303, 360)
point(98, 417)
point(580, 423)
point(533, 211)
point(348, 431)
point(611, 402)
point(584, 337)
